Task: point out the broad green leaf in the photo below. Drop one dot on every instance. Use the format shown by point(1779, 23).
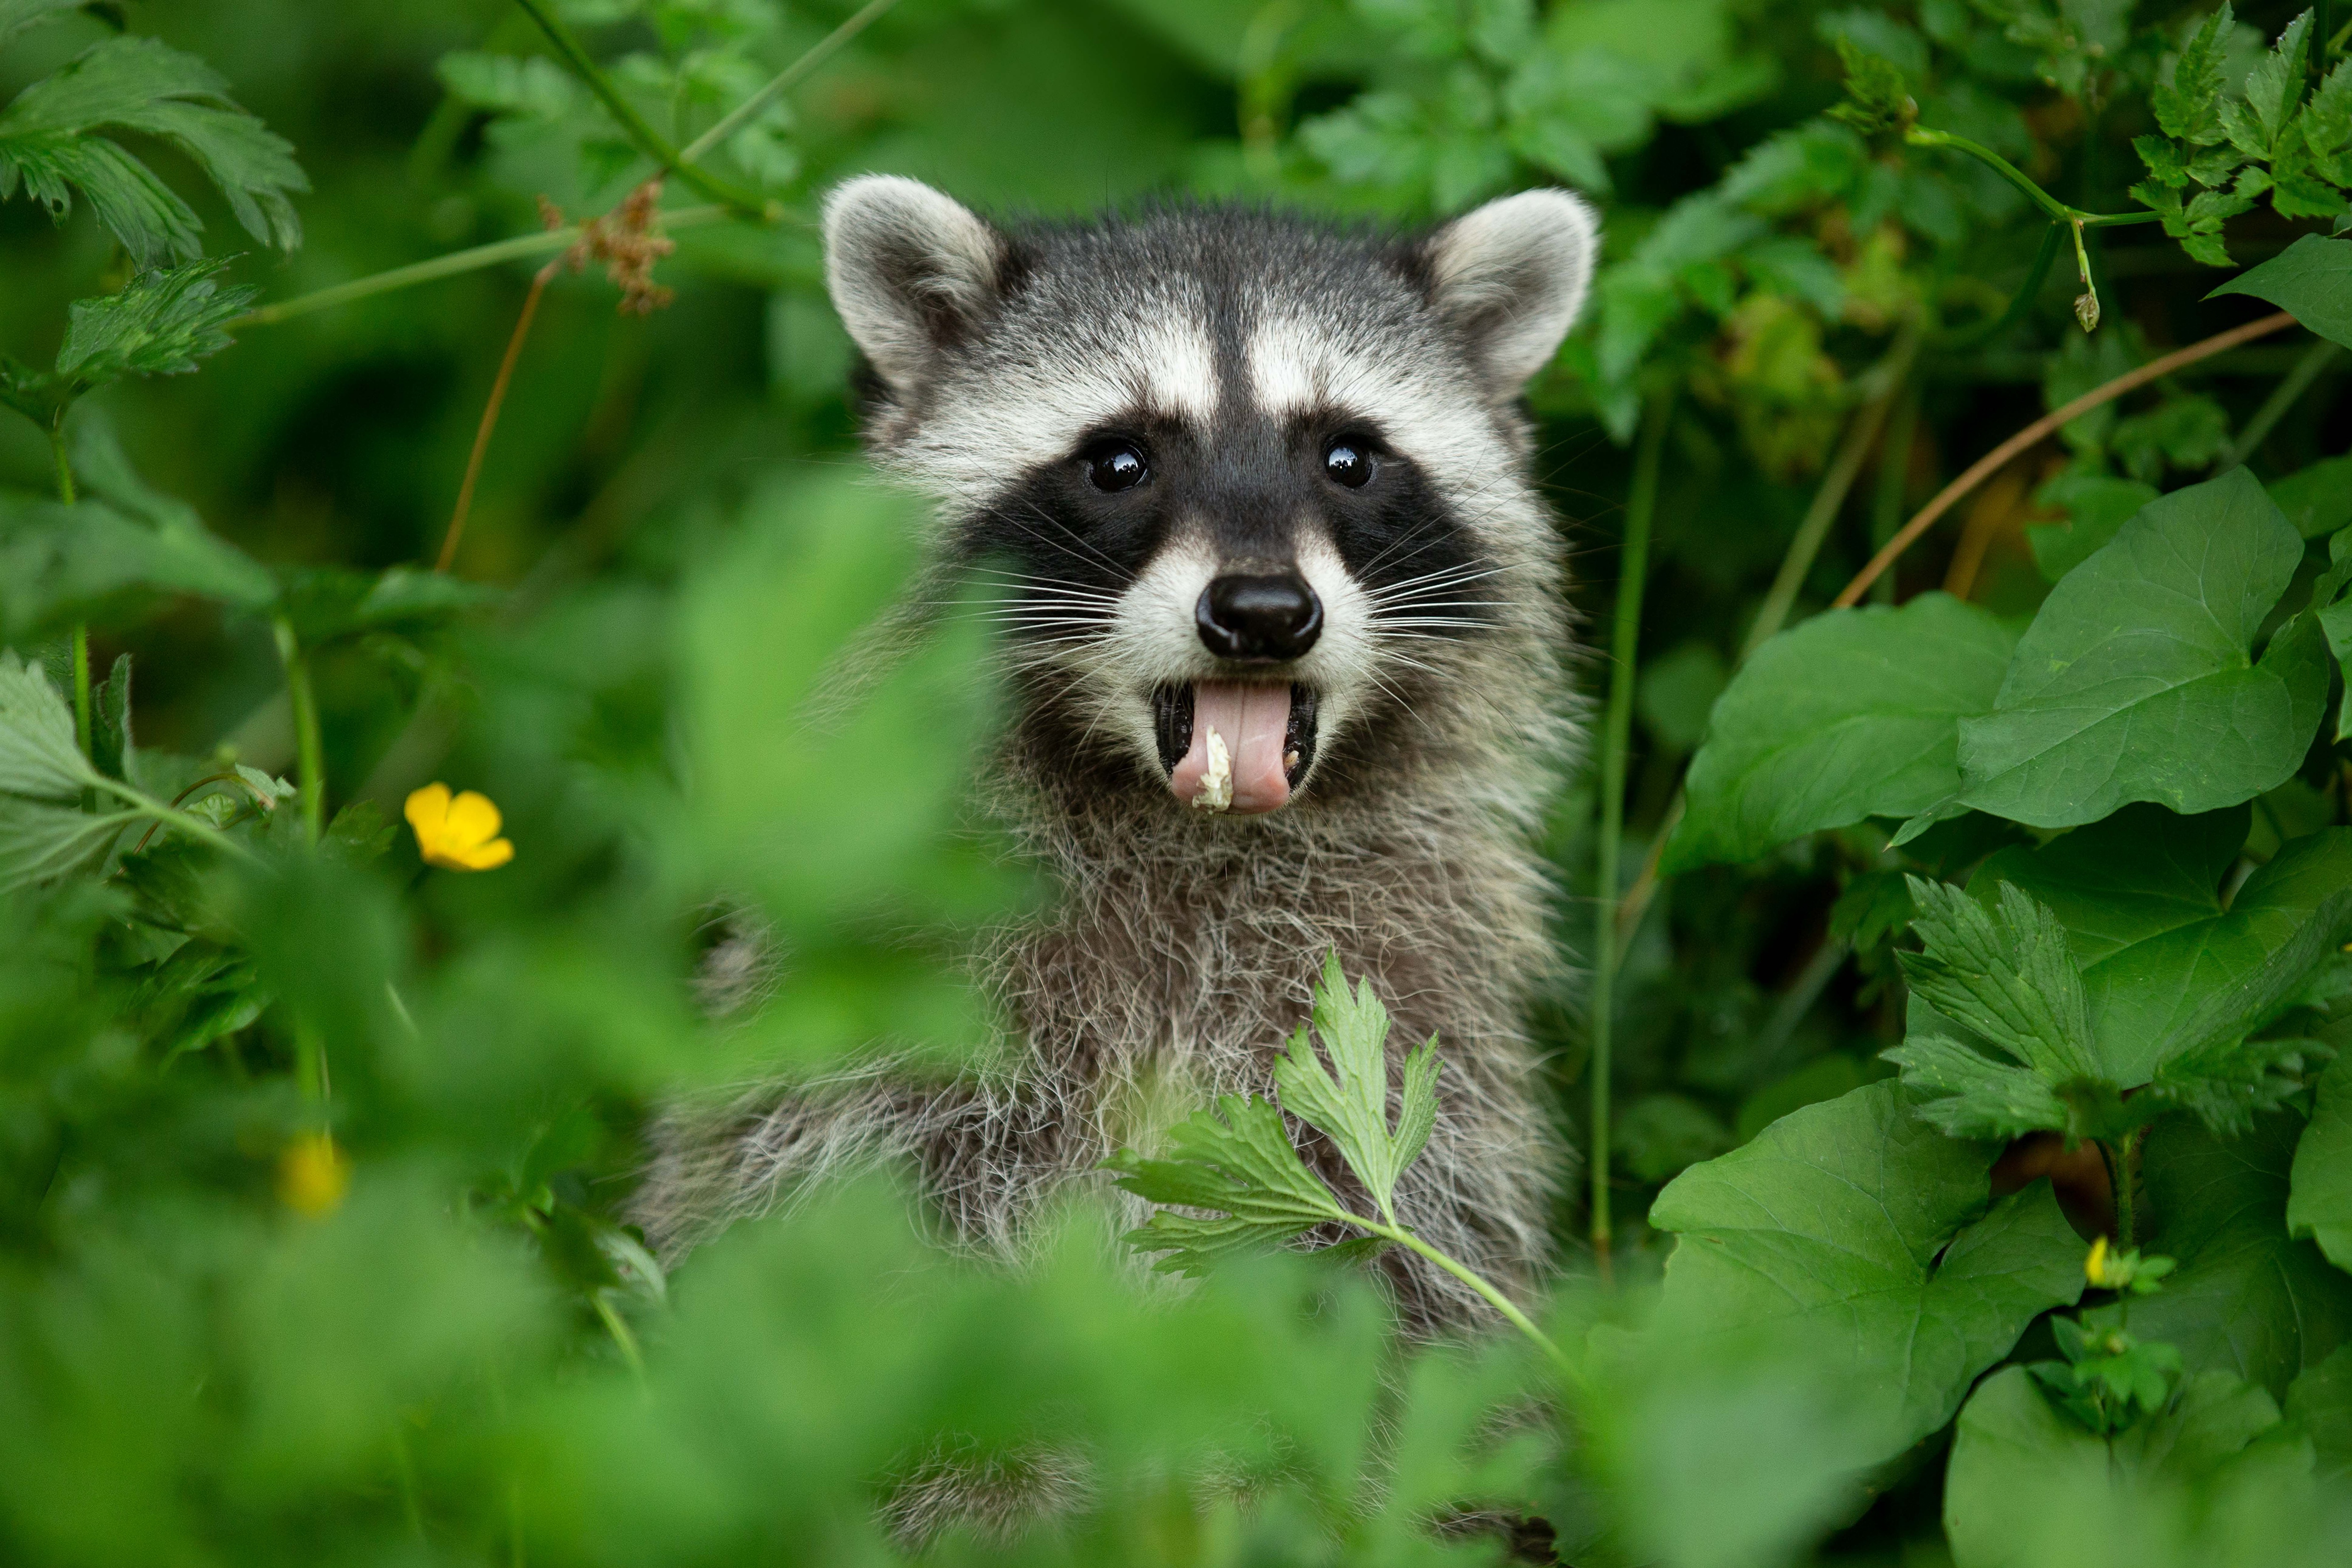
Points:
point(2136, 681)
point(37, 754)
point(1847, 716)
point(2319, 1403)
point(2319, 1202)
point(50, 143)
point(1235, 1160)
point(2248, 1298)
point(42, 843)
point(1858, 1225)
point(2311, 280)
point(1353, 1110)
point(2128, 879)
point(2097, 506)
point(2027, 1487)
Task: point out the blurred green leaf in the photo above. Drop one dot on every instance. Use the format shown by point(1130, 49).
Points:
point(2319, 1201)
point(2319, 1404)
point(1859, 1224)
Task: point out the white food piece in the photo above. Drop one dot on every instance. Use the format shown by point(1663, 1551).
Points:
point(1216, 791)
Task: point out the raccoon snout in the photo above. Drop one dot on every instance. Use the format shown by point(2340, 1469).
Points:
point(1264, 618)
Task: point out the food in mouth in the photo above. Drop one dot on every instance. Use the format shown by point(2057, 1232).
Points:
point(1236, 746)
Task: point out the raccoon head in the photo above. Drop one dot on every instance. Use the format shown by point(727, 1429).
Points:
point(1251, 491)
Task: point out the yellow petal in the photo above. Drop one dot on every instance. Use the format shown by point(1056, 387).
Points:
point(486, 857)
point(473, 820)
point(427, 810)
point(2095, 1267)
point(313, 1174)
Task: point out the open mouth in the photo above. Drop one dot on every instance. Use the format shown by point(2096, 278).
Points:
point(1235, 745)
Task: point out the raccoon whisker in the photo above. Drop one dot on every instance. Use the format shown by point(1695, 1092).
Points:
point(1430, 582)
point(1074, 536)
point(1027, 580)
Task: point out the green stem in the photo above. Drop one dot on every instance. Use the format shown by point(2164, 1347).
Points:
point(1921, 136)
point(650, 142)
point(83, 728)
point(2291, 386)
point(2119, 1176)
point(193, 826)
point(309, 760)
point(522, 247)
point(1470, 1276)
point(1861, 437)
point(309, 1062)
point(784, 81)
point(1616, 739)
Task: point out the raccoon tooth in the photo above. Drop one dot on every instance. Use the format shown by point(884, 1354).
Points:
point(1216, 791)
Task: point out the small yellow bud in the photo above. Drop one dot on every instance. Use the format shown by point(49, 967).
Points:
point(459, 833)
point(2095, 1267)
point(313, 1174)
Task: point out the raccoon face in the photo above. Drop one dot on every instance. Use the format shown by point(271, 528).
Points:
point(1249, 491)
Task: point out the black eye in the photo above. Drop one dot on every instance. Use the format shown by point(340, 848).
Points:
point(1346, 463)
point(1114, 465)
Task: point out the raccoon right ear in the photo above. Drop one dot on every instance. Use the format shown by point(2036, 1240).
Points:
point(911, 271)
point(1510, 278)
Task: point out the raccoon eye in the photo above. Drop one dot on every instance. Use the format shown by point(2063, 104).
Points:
point(1114, 465)
point(1346, 463)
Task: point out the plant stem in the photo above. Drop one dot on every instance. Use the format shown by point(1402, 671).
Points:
point(82, 725)
point(2291, 386)
point(309, 760)
point(650, 142)
point(1470, 1276)
point(1993, 461)
point(2119, 1176)
point(1616, 739)
point(784, 81)
point(1860, 438)
point(490, 417)
point(1921, 136)
point(194, 827)
point(522, 248)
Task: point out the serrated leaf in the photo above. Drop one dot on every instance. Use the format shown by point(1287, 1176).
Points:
point(2136, 681)
point(1855, 1223)
point(2275, 86)
point(37, 754)
point(1969, 1095)
point(1234, 1160)
point(2311, 280)
point(1351, 1108)
point(2186, 106)
point(2009, 978)
point(50, 143)
point(2247, 1299)
point(2226, 1083)
point(161, 323)
point(43, 843)
point(2328, 125)
point(1849, 715)
point(2319, 1201)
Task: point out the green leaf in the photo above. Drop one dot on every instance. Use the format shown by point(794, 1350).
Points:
point(1353, 1110)
point(2136, 681)
point(2027, 1486)
point(50, 143)
point(2319, 1201)
point(1847, 716)
point(2166, 968)
point(2247, 1299)
point(1236, 1160)
point(43, 843)
point(2097, 506)
point(110, 737)
point(510, 84)
point(2317, 500)
point(327, 602)
point(1854, 1223)
point(161, 323)
point(2311, 280)
point(2186, 106)
point(2319, 1403)
point(37, 754)
point(18, 16)
point(2274, 87)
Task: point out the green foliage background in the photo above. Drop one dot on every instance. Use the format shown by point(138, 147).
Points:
point(1841, 1317)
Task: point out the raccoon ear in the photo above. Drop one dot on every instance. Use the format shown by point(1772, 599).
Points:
point(1510, 277)
point(911, 271)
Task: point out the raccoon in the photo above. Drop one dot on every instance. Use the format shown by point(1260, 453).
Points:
point(1282, 616)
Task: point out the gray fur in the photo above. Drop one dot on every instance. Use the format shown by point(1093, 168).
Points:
point(1181, 952)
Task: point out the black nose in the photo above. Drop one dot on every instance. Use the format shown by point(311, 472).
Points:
point(1269, 618)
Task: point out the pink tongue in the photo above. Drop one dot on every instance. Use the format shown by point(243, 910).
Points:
point(1254, 720)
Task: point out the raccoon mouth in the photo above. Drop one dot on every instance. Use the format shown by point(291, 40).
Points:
point(1264, 742)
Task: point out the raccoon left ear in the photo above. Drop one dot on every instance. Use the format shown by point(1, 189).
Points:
point(1511, 276)
point(911, 271)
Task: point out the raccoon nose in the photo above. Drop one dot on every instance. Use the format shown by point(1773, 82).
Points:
point(1259, 617)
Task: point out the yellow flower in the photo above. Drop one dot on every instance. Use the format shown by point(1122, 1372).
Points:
point(313, 1174)
point(461, 834)
point(2095, 1267)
